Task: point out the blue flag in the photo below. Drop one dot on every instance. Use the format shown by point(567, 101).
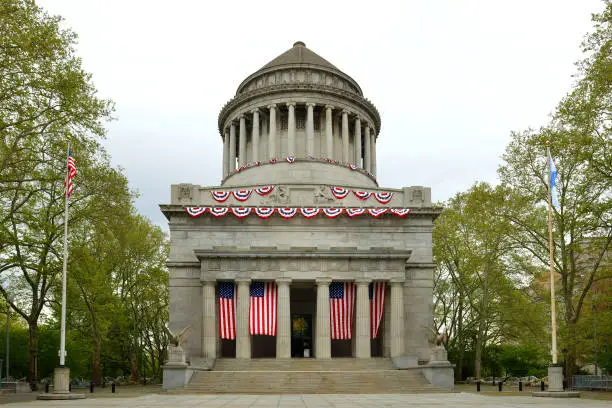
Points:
point(554, 179)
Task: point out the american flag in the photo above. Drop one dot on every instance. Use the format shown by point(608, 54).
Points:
point(72, 172)
point(262, 311)
point(376, 293)
point(342, 306)
point(227, 310)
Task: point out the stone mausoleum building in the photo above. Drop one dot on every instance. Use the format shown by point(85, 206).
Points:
point(300, 212)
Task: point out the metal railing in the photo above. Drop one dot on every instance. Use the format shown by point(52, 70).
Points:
point(592, 382)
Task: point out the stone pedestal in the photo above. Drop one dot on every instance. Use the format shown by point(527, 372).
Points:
point(176, 375)
point(176, 355)
point(555, 385)
point(438, 354)
point(61, 387)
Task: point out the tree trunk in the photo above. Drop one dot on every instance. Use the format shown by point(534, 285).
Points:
point(481, 327)
point(96, 369)
point(32, 354)
point(135, 372)
point(459, 335)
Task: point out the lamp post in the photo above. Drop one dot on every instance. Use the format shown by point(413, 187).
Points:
point(564, 351)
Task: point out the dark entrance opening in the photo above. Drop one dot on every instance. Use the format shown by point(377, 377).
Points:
point(263, 346)
point(303, 316)
point(228, 348)
point(342, 348)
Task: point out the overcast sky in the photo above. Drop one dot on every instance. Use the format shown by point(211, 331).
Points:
point(451, 78)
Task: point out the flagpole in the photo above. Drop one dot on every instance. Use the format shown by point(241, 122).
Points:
point(553, 312)
point(62, 351)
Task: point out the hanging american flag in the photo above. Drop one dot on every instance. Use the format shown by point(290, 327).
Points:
point(71, 173)
point(342, 306)
point(227, 310)
point(376, 293)
point(262, 312)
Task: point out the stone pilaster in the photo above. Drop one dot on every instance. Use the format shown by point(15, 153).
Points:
point(329, 138)
point(358, 142)
point(243, 142)
point(226, 157)
point(373, 159)
point(209, 333)
point(272, 132)
point(367, 151)
point(291, 128)
point(362, 322)
point(283, 316)
point(323, 337)
point(255, 135)
point(232, 148)
point(397, 318)
point(345, 137)
point(243, 339)
point(310, 129)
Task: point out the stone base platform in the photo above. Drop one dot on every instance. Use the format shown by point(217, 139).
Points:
point(52, 396)
point(556, 394)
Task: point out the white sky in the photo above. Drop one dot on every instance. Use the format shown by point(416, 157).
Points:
point(451, 79)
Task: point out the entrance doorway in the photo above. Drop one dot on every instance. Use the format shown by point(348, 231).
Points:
point(301, 335)
point(303, 315)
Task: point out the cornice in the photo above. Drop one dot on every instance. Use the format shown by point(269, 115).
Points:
point(351, 253)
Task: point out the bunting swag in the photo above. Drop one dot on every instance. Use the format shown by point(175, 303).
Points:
point(262, 311)
point(264, 191)
point(227, 310)
point(287, 213)
point(362, 195)
point(376, 294)
point(383, 197)
point(220, 196)
point(341, 308)
point(339, 192)
point(242, 195)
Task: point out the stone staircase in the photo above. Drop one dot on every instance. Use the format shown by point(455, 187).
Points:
point(308, 376)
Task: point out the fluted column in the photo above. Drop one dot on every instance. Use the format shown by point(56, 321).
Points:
point(232, 148)
point(243, 339)
point(345, 137)
point(357, 142)
point(283, 328)
point(310, 129)
point(329, 137)
point(243, 143)
point(373, 159)
point(291, 128)
point(397, 318)
point(362, 322)
point(209, 333)
point(367, 151)
point(255, 135)
point(226, 144)
point(323, 338)
point(272, 132)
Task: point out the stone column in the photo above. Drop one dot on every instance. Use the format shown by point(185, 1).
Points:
point(397, 318)
point(345, 137)
point(209, 334)
point(272, 132)
point(291, 129)
point(367, 151)
point(243, 143)
point(323, 337)
point(255, 135)
point(226, 160)
point(329, 138)
point(358, 142)
point(310, 129)
point(362, 322)
point(283, 316)
point(232, 147)
point(243, 339)
point(373, 159)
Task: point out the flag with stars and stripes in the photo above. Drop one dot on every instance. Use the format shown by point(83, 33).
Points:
point(262, 310)
point(227, 310)
point(71, 173)
point(376, 294)
point(342, 307)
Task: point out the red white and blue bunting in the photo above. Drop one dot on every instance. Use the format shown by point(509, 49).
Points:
point(290, 159)
point(362, 195)
point(264, 191)
point(290, 212)
point(220, 196)
point(383, 197)
point(339, 192)
point(242, 195)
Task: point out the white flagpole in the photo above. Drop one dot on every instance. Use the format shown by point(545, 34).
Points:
point(553, 312)
point(62, 351)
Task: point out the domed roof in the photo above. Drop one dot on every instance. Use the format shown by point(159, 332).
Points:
point(298, 56)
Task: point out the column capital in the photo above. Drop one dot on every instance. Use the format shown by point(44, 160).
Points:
point(233, 122)
point(311, 104)
point(291, 104)
point(323, 281)
point(256, 110)
point(241, 116)
point(346, 112)
point(397, 281)
point(363, 281)
point(208, 281)
point(357, 117)
point(283, 281)
point(242, 281)
point(271, 106)
point(366, 124)
point(330, 107)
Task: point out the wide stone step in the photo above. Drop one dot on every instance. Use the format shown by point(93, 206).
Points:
point(309, 382)
point(303, 364)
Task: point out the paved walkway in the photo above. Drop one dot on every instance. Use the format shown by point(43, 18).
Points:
point(455, 400)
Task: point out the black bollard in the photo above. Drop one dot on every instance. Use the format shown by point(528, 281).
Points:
point(564, 385)
point(499, 386)
point(477, 386)
point(113, 388)
point(520, 386)
point(47, 388)
point(541, 385)
point(69, 387)
point(91, 387)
